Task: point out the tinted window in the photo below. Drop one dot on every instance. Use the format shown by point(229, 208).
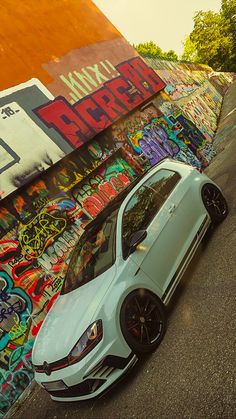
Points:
point(146, 202)
point(94, 254)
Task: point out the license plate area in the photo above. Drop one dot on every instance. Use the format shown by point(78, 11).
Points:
point(54, 385)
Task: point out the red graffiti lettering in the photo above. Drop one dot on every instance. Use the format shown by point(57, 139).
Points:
point(93, 114)
point(120, 89)
point(108, 190)
point(146, 82)
point(117, 184)
point(101, 197)
point(148, 74)
point(123, 178)
point(59, 115)
point(93, 205)
point(109, 103)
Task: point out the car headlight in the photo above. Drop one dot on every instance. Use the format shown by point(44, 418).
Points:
point(90, 338)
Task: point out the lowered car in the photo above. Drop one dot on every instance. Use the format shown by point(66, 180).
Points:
point(122, 273)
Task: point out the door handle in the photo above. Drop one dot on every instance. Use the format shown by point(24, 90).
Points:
point(172, 209)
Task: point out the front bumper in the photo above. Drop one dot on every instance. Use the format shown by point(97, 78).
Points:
point(95, 383)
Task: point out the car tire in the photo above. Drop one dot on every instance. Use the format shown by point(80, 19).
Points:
point(214, 202)
point(143, 321)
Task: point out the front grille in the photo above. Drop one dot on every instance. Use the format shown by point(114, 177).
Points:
point(48, 368)
point(87, 387)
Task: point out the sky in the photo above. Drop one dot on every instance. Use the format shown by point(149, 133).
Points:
point(166, 22)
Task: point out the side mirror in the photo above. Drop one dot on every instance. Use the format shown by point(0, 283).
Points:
point(136, 239)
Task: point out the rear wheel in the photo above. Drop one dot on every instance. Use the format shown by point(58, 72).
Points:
point(214, 202)
point(143, 321)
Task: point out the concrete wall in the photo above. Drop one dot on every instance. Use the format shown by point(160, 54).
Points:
point(94, 117)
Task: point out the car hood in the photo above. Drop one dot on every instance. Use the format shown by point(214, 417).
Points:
point(68, 319)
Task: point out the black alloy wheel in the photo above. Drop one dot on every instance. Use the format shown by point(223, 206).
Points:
point(143, 321)
point(215, 203)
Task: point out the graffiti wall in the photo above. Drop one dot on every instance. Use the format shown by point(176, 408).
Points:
point(85, 117)
point(195, 89)
point(39, 228)
point(54, 128)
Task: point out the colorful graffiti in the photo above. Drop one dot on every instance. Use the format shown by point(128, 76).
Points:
point(16, 374)
point(106, 183)
point(39, 229)
point(55, 128)
point(35, 236)
point(15, 308)
point(78, 123)
point(189, 87)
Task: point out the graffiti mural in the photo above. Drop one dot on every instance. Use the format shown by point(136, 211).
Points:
point(16, 374)
point(158, 140)
point(106, 183)
point(19, 128)
point(189, 87)
point(69, 126)
point(35, 236)
point(39, 228)
point(80, 122)
point(15, 308)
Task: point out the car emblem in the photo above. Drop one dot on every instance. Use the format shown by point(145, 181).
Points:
point(46, 368)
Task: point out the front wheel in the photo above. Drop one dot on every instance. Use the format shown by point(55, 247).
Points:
point(214, 202)
point(143, 321)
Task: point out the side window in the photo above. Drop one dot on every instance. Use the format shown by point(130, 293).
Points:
point(145, 203)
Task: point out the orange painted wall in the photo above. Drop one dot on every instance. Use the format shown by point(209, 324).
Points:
point(35, 32)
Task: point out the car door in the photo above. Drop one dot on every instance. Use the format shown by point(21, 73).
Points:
point(161, 207)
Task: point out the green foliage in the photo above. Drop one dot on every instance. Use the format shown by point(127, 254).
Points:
point(150, 49)
point(190, 52)
point(213, 39)
point(170, 55)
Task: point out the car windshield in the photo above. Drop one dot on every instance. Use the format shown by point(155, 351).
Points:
point(94, 253)
point(95, 250)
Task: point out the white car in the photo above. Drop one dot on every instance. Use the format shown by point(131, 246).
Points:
point(121, 276)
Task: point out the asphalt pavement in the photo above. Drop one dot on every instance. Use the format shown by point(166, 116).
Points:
point(193, 372)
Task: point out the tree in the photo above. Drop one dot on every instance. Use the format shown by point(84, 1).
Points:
point(213, 39)
point(170, 55)
point(229, 13)
point(190, 52)
point(150, 49)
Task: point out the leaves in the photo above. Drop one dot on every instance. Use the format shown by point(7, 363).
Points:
point(150, 49)
point(213, 39)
